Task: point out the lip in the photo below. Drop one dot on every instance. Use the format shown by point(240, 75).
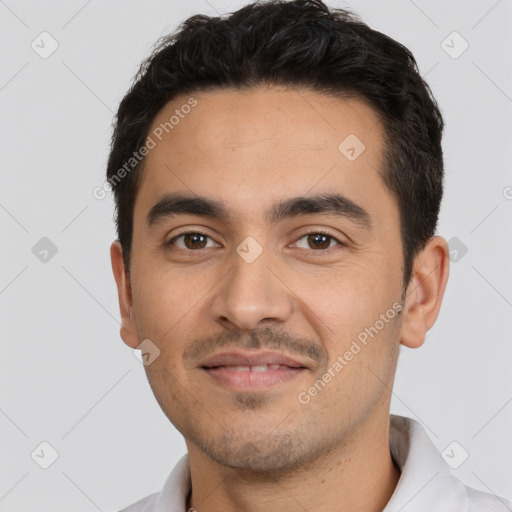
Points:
point(250, 359)
point(229, 370)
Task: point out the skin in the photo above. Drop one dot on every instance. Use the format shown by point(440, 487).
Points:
point(265, 450)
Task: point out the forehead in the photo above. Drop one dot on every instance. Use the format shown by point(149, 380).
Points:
point(251, 147)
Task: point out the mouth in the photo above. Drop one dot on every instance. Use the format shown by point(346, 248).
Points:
point(251, 371)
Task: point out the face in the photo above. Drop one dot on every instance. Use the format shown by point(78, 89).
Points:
point(278, 327)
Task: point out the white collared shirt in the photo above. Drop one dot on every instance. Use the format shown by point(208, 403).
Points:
point(425, 484)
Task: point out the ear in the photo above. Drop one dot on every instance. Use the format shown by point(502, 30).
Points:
point(425, 291)
point(124, 292)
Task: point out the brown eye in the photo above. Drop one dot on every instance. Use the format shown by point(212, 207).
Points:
point(318, 241)
point(191, 241)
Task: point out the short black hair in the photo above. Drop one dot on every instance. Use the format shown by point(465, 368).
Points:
point(296, 44)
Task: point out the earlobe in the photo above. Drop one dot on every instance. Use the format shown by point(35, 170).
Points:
point(128, 329)
point(425, 292)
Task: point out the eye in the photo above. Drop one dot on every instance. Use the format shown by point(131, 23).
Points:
point(192, 240)
point(319, 240)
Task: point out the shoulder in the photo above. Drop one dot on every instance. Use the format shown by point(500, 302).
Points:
point(425, 474)
point(146, 504)
point(478, 501)
point(172, 497)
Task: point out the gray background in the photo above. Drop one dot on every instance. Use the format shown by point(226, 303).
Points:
point(66, 377)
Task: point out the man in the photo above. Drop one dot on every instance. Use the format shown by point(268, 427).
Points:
point(278, 175)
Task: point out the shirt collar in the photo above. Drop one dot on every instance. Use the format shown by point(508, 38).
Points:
point(425, 480)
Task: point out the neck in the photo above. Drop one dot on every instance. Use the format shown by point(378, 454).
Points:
point(358, 476)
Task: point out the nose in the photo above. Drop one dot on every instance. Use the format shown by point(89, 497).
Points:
point(251, 294)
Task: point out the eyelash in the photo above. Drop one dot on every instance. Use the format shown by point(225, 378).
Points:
point(341, 245)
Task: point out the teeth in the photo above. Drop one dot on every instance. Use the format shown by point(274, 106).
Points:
point(259, 368)
point(240, 368)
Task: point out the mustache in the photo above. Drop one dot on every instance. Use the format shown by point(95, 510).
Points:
point(265, 338)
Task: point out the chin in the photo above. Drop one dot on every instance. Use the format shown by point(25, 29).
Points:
point(259, 453)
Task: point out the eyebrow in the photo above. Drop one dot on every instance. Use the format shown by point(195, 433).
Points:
point(171, 205)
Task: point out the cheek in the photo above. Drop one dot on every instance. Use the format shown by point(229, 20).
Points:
point(343, 299)
point(167, 308)
point(162, 302)
point(356, 308)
